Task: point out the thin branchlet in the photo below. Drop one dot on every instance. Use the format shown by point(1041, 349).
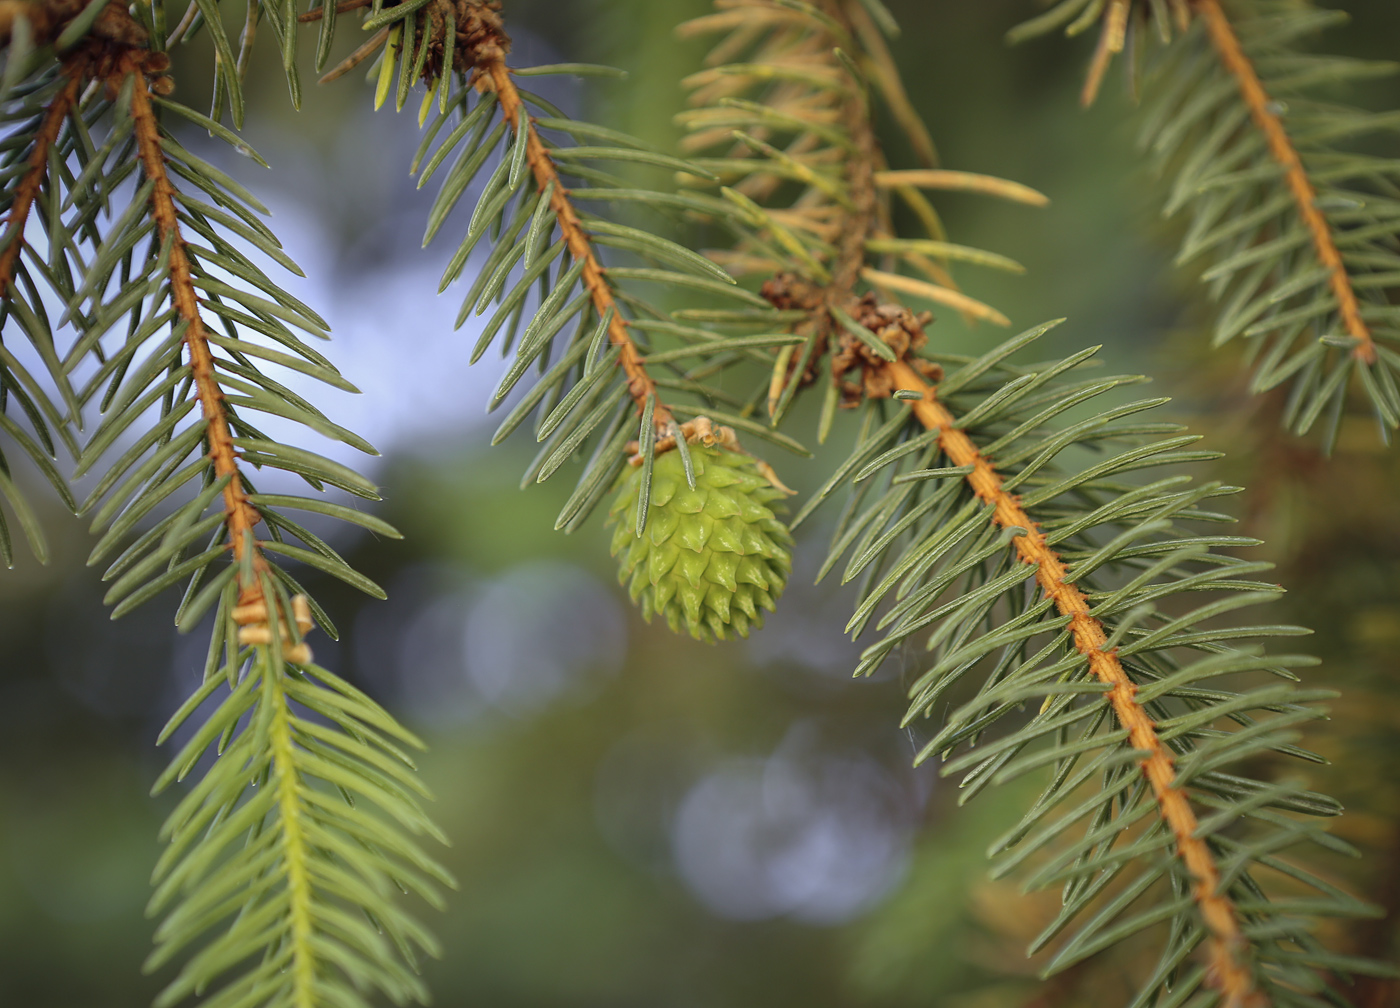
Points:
point(858, 225)
point(1230, 973)
point(1264, 113)
point(27, 190)
point(490, 61)
point(310, 956)
point(241, 516)
point(1232, 55)
point(860, 219)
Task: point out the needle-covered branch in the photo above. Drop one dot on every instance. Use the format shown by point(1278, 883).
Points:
point(555, 284)
point(784, 113)
point(177, 330)
point(1226, 945)
point(1041, 580)
point(1266, 119)
point(26, 191)
point(240, 516)
point(1031, 579)
point(593, 277)
point(1297, 233)
point(43, 113)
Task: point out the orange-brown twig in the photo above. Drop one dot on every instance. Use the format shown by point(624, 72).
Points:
point(1227, 45)
point(240, 515)
point(28, 189)
point(491, 62)
point(1229, 972)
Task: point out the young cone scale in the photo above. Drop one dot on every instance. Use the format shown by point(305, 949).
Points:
point(709, 559)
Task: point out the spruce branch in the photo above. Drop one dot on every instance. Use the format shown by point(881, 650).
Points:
point(1229, 973)
point(1261, 110)
point(26, 191)
point(53, 50)
point(16, 385)
point(240, 516)
point(308, 874)
point(787, 97)
point(1047, 577)
point(491, 62)
point(295, 852)
point(261, 886)
point(604, 391)
point(859, 222)
point(597, 381)
point(1300, 235)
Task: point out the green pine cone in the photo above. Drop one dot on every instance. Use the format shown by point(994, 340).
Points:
point(709, 559)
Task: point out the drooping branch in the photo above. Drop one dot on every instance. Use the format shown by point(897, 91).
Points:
point(1229, 972)
point(490, 62)
point(285, 812)
point(27, 191)
point(1232, 55)
point(241, 516)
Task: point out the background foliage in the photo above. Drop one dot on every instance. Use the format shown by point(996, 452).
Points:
point(567, 791)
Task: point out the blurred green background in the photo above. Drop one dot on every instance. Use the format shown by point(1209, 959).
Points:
point(638, 819)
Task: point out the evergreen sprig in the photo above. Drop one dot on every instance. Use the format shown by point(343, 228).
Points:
point(587, 331)
point(205, 382)
point(286, 857)
point(1005, 539)
point(281, 872)
point(300, 836)
point(785, 100)
point(37, 113)
point(1299, 234)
